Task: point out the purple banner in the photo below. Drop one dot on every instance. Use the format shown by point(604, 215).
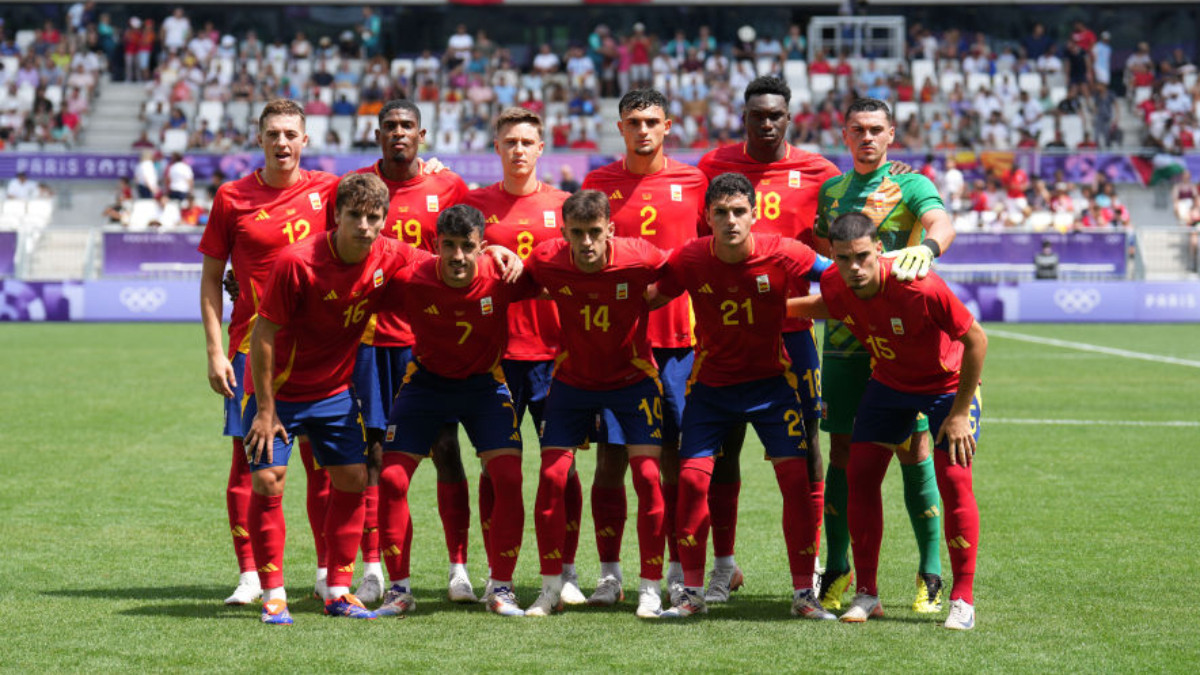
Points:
point(113, 300)
point(1097, 253)
point(1134, 302)
point(41, 301)
point(151, 254)
point(8, 254)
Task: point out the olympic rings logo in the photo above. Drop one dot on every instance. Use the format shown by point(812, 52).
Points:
point(138, 299)
point(1077, 300)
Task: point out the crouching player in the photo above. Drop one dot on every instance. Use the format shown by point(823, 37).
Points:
point(598, 283)
point(739, 284)
point(302, 350)
point(928, 353)
point(457, 304)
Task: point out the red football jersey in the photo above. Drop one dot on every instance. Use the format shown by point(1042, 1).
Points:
point(322, 305)
point(910, 329)
point(519, 224)
point(739, 307)
point(785, 196)
point(603, 313)
point(251, 222)
point(413, 209)
point(666, 209)
point(461, 331)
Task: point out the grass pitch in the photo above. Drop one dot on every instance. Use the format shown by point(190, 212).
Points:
point(116, 554)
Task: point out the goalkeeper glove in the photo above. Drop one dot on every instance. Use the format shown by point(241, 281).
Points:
point(912, 262)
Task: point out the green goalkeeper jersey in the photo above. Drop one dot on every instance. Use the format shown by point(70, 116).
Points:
point(894, 203)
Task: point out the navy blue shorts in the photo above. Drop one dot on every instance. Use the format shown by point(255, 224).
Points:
point(674, 371)
point(570, 417)
point(333, 425)
point(801, 348)
point(233, 406)
point(886, 415)
point(529, 382)
point(425, 401)
point(771, 405)
point(378, 373)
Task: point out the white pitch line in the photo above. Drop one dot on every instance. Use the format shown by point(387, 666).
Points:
point(1084, 347)
point(1088, 423)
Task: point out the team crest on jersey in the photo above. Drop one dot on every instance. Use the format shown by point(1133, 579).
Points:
point(897, 326)
point(314, 199)
point(647, 196)
point(377, 278)
point(676, 193)
point(402, 209)
point(485, 306)
point(391, 433)
point(622, 291)
point(431, 203)
point(764, 283)
point(548, 219)
point(793, 179)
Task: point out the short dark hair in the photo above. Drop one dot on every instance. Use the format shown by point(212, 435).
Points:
point(400, 104)
point(728, 185)
point(640, 99)
point(518, 115)
point(768, 84)
point(869, 105)
point(280, 106)
point(460, 220)
point(363, 191)
point(851, 226)
point(586, 206)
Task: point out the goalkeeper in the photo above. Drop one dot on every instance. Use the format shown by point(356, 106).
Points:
point(915, 229)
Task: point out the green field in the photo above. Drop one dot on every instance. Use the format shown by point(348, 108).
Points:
point(116, 553)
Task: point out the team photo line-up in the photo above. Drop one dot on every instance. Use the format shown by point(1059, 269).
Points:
point(651, 315)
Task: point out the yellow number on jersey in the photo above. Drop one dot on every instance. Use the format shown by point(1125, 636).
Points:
point(297, 230)
point(730, 309)
point(812, 377)
point(354, 313)
point(408, 231)
point(524, 244)
point(767, 205)
point(649, 214)
point(652, 413)
point(595, 317)
point(879, 347)
point(467, 328)
point(795, 423)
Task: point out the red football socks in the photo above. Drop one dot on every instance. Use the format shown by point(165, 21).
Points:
point(816, 493)
point(268, 532)
point(670, 493)
point(961, 523)
point(722, 507)
point(508, 515)
point(549, 510)
point(864, 509)
point(395, 523)
point(609, 509)
point(574, 503)
point(454, 505)
point(799, 524)
point(650, 515)
point(693, 519)
point(370, 532)
point(237, 503)
point(316, 498)
point(487, 497)
point(343, 534)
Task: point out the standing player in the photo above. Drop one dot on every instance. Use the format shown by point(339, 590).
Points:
point(928, 353)
point(522, 212)
point(253, 219)
point(739, 283)
point(416, 200)
point(458, 304)
point(598, 283)
point(786, 180)
point(660, 200)
point(302, 350)
point(914, 227)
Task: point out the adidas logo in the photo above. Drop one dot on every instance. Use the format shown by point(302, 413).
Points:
point(616, 195)
point(931, 512)
point(240, 532)
point(688, 541)
point(391, 551)
point(565, 290)
point(369, 530)
point(269, 567)
point(516, 436)
point(572, 526)
point(332, 295)
point(959, 542)
point(348, 569)
point(493, 220)
point(511, 553)
point(706, 289)
point(262, 215)
point(432, 309)
point(657, 433)
point(653, 561)
point(830, 510)
point(606, 532)
point(553, 555)
point(486, 525)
